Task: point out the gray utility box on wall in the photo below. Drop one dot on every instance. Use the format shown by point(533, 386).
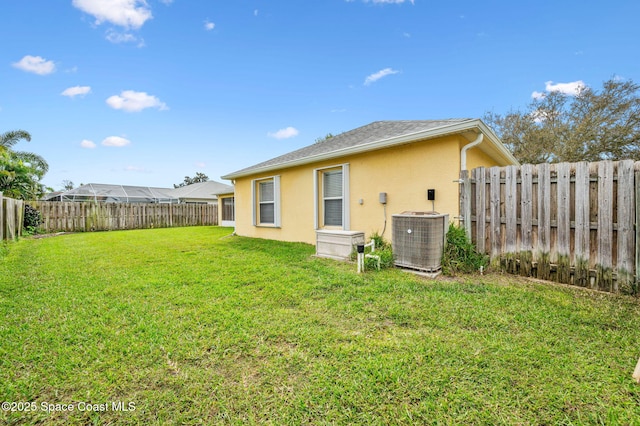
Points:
point(418, 240)
point(337, 244)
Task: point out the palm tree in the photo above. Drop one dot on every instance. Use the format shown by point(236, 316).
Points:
point(20, 172)
point(12, 137)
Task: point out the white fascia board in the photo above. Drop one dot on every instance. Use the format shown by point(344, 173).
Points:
point(497, 143)
point(387, 143)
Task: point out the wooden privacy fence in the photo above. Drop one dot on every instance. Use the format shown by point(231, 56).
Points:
point(11, 217)
point(570, 223)
point(84, 217)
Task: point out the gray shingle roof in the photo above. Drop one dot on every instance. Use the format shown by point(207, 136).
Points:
point(209, 189)
point(375, 132)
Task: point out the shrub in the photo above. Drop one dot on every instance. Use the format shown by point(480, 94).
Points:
point(32, 220)
point(460, 254)
point(383, 249)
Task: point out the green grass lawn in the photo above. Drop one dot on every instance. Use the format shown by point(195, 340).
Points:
point(193, 327)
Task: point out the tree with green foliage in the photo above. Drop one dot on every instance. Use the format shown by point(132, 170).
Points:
point(199, 177)
point(591, 125)
point(20, 172)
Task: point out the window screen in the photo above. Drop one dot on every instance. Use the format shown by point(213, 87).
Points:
point(267, 205)
point(332, 197)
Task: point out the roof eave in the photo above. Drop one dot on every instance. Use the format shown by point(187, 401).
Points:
point(449, 129)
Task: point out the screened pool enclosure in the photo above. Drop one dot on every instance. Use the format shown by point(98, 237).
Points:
point(106, 193)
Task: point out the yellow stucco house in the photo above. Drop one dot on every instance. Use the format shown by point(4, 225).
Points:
point(356, 180)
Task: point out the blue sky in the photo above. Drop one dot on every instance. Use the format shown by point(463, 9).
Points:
point(144, 93)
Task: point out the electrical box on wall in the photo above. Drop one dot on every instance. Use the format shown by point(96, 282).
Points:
point(431, 194)
point(383, 198)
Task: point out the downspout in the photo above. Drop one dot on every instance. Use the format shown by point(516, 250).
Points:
point(465, 181)
point(463, 152)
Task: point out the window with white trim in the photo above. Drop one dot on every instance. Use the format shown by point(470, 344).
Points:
point(332, 197)
point(266, 201)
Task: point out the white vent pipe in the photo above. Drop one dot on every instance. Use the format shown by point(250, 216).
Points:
point(463, 152)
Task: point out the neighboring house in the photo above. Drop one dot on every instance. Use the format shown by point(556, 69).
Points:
point(336, 184)
point(203, 193)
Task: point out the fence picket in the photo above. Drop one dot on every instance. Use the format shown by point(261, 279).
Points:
point(511, 209)
point(495, 212)
point(604, 272)
point(479, 176)
point(625, 223)
point(544, 222)
point(582, 225)
point(526, 225)
point(564, 222)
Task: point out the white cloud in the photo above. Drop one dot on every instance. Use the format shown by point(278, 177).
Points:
point(116, 141)
point(570, 89)
point(378, 75)
point(537, 95)
point(132, 101)
point(86, 143)
point(200, 164)
point(124, 13)
point(209, 25)
point(117, 37)
point(76, 91)
point(285, 133)
point(36, 65)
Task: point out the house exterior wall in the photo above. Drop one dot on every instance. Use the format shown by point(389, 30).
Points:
point(403, 172)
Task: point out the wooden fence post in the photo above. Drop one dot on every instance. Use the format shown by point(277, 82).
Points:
point(604, 271)
point(19, 217)
point(465, 201)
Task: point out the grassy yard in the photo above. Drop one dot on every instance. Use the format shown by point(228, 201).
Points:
point(187, 326)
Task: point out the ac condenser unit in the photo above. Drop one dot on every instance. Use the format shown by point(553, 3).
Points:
point(418, 240)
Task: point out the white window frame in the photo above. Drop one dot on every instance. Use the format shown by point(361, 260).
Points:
point(255, 201)
point(318, 196)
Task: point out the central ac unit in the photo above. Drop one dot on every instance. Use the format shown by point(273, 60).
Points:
point(418, 240)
